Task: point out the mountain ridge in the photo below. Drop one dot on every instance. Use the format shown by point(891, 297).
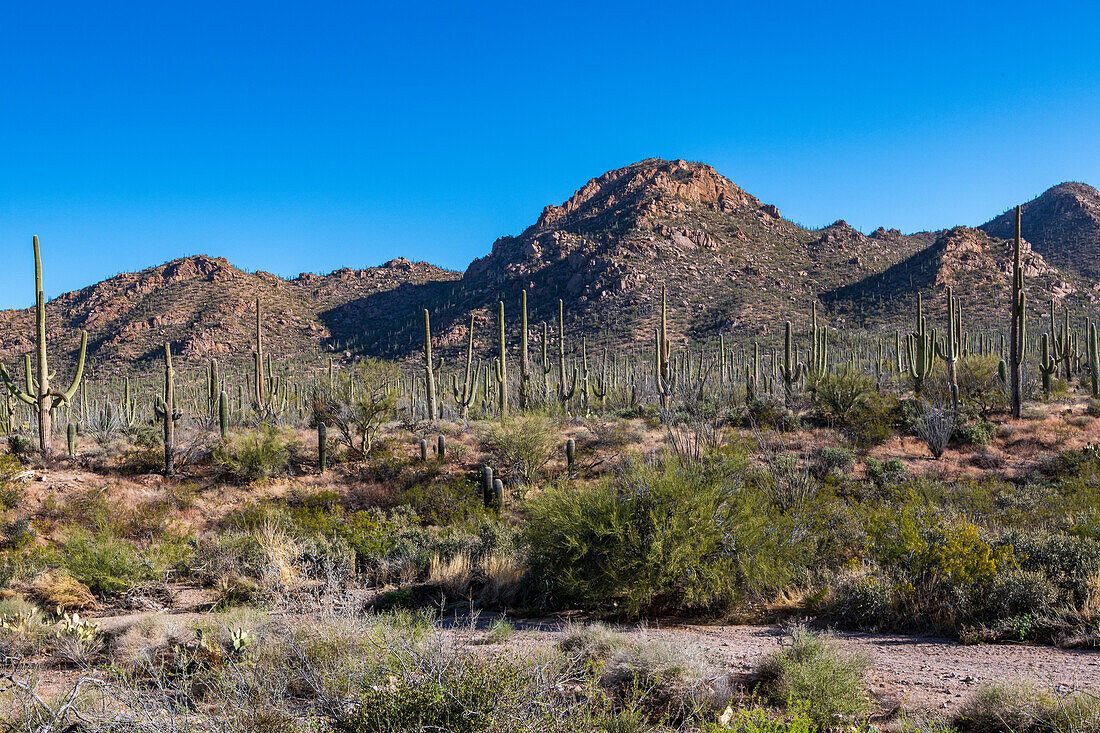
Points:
point(731, 264)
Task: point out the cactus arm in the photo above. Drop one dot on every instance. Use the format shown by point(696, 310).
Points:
point(67, 395)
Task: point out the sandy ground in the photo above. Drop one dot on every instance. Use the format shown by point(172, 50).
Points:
point(915, 673)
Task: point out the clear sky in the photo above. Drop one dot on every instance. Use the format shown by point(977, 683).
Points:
point(311, 136)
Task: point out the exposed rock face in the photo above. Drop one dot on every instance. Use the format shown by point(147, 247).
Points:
point(1063, 224)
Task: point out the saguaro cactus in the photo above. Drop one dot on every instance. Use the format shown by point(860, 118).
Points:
point(1017, 341)
point(465, 397)
point(665, 376)
point(502, 369)
point(921, 349)
point(564, 394)
point(165, 411)
point(430, 369)
point(948, 348)
point(37, 392)
point(1048, 365)
point(524, 357)
point(1061, 340)
point(1094, 361)
point(790, 371)
point(260, 384)
point(223, 414)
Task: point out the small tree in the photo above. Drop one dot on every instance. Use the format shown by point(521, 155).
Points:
point(359, 403)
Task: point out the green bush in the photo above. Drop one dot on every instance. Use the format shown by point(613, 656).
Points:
point(523, 445)
point(253, 455)
point(979, 432)
point(839, 395)
point(11, 492)
point(659, 536)
point(102, 562)
point(834, 460)
point(449, 500)
point(813, 670)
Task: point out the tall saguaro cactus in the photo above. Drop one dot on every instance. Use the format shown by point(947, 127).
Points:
point(664, 374)
point(165, 410)
point(430, 369)
point(465, 397)
point(1094, 361)
point(564, 394)
point(524, 358)
point(502, 369)
point(920, 347)
point(37, 392)
point(948, 348)
point(260, 383)
point(1019, 327)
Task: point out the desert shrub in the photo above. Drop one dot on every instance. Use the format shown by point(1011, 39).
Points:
point(1020, 708)
point(834, 460)
point(978, 381)
point(320, 522)
point(360, 402)
point(448, 500)
point(1071, 563)
point(839, 395)
point(499, 632)
point(660, 535)
point(874, 421)
point(252, 455)
point(662, 681)
point(1092, 409)
point(1018, 593)
point(102, 562)
point(862, 601)
point(474, 695)
point(59, 589)
point(978, 432)
point(11, 491)
point(523, 445)
point(883, 473)
point(769, 412)
point(815, 671)
point(19, 445)
point(934, 425)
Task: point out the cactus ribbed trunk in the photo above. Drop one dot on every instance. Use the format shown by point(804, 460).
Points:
point(1016, 342)
point(502, 369)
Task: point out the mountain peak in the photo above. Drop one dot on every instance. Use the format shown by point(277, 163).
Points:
point(1063, 224)
point(640, 185)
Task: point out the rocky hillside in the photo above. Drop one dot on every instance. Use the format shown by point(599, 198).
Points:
point(1063, 225)
point(732, 264)
point(205, 307)
point(979, 269)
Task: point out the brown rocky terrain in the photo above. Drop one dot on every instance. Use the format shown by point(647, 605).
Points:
point(1063, 224)
point(732, 264)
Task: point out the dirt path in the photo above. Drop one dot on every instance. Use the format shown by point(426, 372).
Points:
point(916, 673)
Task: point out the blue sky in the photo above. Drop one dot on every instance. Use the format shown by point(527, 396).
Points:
point(311, 136)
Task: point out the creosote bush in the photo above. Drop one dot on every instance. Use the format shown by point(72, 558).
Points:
point(660, 535)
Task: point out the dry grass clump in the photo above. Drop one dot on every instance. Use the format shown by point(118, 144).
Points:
point(1025, 708)
point(58, 589)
